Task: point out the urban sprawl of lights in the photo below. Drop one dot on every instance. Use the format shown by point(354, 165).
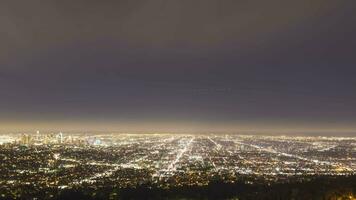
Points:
point(168, 160)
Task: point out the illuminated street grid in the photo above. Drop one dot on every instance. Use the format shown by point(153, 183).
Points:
point(127, 160)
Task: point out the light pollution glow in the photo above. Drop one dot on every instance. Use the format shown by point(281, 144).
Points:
point(186, 127)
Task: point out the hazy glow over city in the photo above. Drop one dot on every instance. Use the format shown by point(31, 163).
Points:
point(178, 99)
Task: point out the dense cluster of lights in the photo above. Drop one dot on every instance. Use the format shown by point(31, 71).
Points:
point(127, 160)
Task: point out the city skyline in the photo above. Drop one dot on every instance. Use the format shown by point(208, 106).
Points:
point(178, 99)
point(167, 166)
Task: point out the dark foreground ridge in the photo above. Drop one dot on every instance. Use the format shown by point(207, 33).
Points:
point(318, 188)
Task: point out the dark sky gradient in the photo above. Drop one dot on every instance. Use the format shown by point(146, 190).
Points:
point(178, 65)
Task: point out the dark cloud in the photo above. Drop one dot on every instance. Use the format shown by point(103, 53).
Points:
point(205, 61)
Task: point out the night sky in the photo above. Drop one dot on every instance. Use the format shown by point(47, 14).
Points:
point(178, 65)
